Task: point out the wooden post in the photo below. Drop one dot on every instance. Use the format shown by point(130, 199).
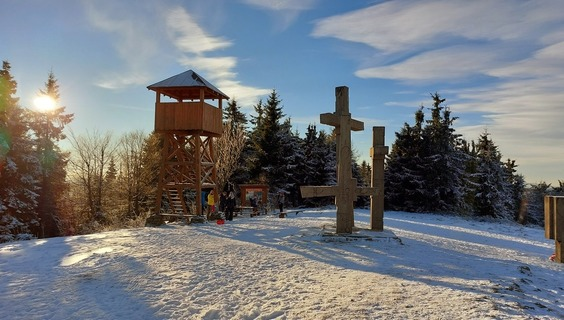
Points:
point(346, 190)
point(549, 217)
point(559, 228)
point(554, 223)
point(377, 153)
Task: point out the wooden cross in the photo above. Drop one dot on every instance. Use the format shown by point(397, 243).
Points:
point(346, 191)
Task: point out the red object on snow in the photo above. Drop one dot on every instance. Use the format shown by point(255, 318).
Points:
point(220, 221)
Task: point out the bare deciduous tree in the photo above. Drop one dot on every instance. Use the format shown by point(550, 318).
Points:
point(91, 155)
point(229, 148)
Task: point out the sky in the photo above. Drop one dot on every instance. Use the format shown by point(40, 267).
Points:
point(422, 266)
point(498, 64)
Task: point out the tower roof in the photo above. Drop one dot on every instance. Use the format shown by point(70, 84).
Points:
point(187, 85)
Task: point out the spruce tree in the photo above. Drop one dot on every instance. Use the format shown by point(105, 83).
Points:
point(317, 170)
point(491, 191)
point(48, 126)
point(19, 166)
point(404, 176)
point(233, 115)
point(267, 159)
point(290, 169)
point(444, 160)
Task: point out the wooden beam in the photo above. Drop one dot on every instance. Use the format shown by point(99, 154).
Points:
point(318, 191)
point(334, 120)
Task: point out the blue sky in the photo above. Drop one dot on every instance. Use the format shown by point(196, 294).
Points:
point(499, 64)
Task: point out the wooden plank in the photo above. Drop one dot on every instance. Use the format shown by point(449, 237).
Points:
point(318, 191)
point(559, 219)
point(329, 119)
point(549, 216)
point(334, 120)
point(367, 191)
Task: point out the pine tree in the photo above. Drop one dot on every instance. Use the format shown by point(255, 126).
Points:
point(233, 115)
point(404, 176)
point(444, 161)
point(316, 170)
point(48, 126)
point(365, 173)
point(289, 170)
point(150, 169)
point(491, 193)
point(19, 166)
point(266, 144)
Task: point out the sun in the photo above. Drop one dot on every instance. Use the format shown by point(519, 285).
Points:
point(44, 103)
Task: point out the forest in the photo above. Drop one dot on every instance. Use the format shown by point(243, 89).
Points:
point(105, 182)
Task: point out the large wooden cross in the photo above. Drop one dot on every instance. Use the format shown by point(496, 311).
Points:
point(346, 191)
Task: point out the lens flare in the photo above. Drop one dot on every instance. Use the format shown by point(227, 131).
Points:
point(44, 103)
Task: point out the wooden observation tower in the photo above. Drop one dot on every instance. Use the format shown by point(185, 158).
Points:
point(188, 123)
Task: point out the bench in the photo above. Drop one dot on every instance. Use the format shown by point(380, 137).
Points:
point(283, 214)
point(252, 211)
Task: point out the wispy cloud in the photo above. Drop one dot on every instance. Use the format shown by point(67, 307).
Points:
point(516, 47)
point(285, 12)
point(134, 40)
point(137, 35)
point(199, 50)
point(188, 36)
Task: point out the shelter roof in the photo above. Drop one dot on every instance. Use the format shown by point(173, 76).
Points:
point(187, 85)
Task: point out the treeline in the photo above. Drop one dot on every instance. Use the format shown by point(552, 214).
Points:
point(431, 168)
point(105, 182)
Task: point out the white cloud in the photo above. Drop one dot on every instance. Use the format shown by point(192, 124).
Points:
point(188, 36)
point(284, 11)
point(137, 33)
point(133, 39)
point(517, 44)
point(451, 63)
point(195, 47)
point(400, 26)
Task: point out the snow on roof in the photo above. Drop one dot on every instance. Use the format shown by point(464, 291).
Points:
point(187, 79)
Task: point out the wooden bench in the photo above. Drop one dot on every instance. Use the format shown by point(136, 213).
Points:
point(283, 214)
point(252, 211)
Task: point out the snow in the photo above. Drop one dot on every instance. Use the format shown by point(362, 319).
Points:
point(422, 266)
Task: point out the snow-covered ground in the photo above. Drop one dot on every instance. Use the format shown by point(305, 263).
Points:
point(421, 267)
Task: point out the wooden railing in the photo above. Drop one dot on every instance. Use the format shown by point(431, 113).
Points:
point(188, 116)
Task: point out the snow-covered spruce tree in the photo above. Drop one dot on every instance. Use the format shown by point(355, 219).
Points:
point(20, 168)
point(444, 161)
point(425, 170)
point(534, 196)
point(291, 168)
point(492, 189)
point(515, 201)
point(404, 176)
point(48, 126)
point(319, 164)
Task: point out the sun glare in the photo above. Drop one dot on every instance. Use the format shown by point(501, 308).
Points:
point(44, 103)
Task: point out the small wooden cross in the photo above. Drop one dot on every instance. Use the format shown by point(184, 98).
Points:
point(346, 191)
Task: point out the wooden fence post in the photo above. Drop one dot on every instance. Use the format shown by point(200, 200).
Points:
point(554, 223)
